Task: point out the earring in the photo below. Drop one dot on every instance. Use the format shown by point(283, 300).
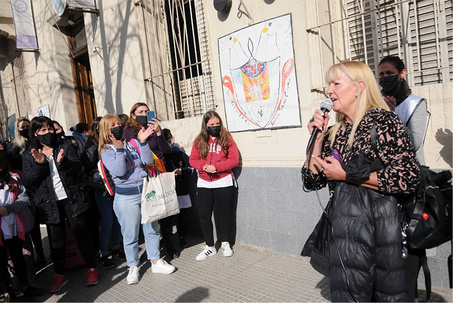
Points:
point(357, 95)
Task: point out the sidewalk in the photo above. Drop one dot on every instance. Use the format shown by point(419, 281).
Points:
point(249, 276)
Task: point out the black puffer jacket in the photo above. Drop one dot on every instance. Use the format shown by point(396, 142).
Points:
point(366, 223)
point(38, 176)
point(367, 233)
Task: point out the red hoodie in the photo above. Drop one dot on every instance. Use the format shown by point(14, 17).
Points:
point(216, 156)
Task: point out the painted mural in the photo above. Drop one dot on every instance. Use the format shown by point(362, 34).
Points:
point(258, 76)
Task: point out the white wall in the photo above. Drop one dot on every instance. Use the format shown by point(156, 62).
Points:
point(117, 77)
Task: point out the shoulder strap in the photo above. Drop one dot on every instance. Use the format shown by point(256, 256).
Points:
point(134, 144)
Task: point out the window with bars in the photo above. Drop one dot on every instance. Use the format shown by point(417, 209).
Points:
point(418, 31)
point(176, 57)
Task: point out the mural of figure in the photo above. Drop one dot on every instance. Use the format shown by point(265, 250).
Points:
point(256, 76)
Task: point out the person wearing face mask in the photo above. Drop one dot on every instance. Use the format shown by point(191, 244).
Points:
point(110, 231)
point(53, 168)
point(177, 162)
point(412, 111)
point(214, 154)
point(59, 130)
point(19, 144)
point(124, 163)
point(138, 120)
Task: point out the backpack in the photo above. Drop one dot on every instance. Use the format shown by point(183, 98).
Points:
point(428, 214)
point(428, 210)
point(156, 161)
point(106, 176)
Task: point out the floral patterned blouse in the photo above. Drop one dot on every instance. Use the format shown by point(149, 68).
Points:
point(398, 172)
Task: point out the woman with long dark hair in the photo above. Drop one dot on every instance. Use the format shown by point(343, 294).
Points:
point(138, 120)
point(53, 167)
point(214, 155)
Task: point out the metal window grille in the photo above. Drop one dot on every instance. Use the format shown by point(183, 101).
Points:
point(176, 56)
point(418, 31)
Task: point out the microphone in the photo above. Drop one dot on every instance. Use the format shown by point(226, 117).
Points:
point(326, 106)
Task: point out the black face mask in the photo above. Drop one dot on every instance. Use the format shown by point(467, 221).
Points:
point(48, 139)
point(117, 132)
point(60, 135)
point(389, 83)
point(214, 130)
point(24, 133)
point(141, 119)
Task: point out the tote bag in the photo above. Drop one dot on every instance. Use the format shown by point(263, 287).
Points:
point(159, 198)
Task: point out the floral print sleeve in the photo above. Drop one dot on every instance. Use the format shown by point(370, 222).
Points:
point(395, 149)
point(399, 172)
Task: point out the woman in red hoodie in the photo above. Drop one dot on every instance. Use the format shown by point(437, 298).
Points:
point(214, 155)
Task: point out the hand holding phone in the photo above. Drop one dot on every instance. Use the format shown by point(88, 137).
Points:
point(150, 116)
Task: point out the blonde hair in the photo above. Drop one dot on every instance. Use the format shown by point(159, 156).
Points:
point(19, 141)
point(370, 97)
point(105, 125)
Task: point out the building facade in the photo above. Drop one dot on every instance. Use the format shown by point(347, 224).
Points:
point(184, 57)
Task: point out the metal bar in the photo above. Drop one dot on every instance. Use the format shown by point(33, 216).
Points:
point(418, 46)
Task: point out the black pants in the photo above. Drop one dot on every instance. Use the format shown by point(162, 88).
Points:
point(221, 201)
point(57, 238)
point(412, 266)
point(166, 229)
point(13, 246)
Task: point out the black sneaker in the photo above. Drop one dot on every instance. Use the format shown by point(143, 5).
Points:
point(105, 262)
point(119, 255)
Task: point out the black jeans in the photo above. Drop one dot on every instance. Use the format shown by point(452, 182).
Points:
point(57, 238)
point(13, 246)
point(221, 201)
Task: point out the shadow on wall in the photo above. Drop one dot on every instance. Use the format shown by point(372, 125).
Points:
point(444, 137)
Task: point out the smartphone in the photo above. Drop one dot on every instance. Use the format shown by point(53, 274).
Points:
point(150, 116)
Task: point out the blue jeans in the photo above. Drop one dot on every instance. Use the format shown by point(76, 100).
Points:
point(110, 228)
point(127, 209)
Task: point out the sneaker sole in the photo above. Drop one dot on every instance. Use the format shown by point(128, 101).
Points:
point(61, 286)
point(228, 254)
point(107, 267)
point(132, 282)
point(93, 284)
point(163, 272)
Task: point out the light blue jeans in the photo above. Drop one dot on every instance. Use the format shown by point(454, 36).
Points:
point(127, 209)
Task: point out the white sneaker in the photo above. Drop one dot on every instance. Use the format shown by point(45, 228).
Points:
point(133, 275)
point(207, 252)
point(162, 267)
point(227, 251)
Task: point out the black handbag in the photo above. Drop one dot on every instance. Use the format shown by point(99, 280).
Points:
point(317, 246)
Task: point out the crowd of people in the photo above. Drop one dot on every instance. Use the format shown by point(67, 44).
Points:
point(368, 158)
point(51, 177)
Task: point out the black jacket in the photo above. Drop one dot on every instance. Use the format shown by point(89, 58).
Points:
point(179, 159)
point(38, 177)
point(367, 235)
